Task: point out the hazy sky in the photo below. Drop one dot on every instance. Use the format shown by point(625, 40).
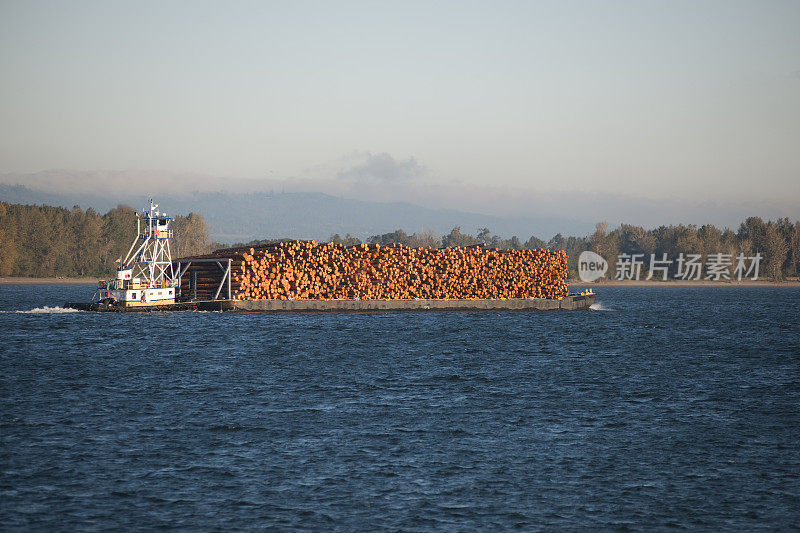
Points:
point(692, 101)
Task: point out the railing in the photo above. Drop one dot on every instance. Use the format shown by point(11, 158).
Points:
point(224, 265)
point(126, 284)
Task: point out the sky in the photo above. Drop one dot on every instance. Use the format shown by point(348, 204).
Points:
point(501, 105)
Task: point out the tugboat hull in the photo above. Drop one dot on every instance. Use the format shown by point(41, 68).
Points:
point(111, 307)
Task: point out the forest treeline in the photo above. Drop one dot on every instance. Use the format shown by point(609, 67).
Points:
point(778, 242)
point(44, 241)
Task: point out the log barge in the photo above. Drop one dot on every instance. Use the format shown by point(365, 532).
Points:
point(570, 303)
point(306, 276)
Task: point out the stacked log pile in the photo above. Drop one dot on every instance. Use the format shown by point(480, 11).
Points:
point(310, 270)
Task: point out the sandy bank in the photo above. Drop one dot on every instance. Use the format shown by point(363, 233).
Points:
point(700, 283)
point(48, 281)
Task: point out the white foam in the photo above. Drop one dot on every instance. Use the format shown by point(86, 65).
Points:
point(49, 310)
point(598, 306)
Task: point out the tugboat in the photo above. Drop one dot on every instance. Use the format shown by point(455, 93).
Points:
point(146, 279)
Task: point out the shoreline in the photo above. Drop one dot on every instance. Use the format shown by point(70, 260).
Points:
point(48, 281)
point(698, 283)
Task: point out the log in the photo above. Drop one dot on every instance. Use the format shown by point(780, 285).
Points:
point(306, 269)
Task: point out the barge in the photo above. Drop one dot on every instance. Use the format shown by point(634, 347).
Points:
point(149, 280)
point(569, 303)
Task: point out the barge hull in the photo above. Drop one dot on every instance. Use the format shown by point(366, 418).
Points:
point(568, 303)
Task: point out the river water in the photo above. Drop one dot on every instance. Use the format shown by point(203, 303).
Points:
point(659, 408)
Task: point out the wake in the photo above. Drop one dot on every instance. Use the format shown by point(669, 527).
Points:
point(48, 310)
point(598, 306)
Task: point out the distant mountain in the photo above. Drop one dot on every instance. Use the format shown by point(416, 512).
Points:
point(262, 215)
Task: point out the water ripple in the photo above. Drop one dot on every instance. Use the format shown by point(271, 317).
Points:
point(677, 410)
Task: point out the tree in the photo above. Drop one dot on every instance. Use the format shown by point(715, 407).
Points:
point(456, 238)
point(634, 240)
point(605, 245)
point(348, 240)
point(795, 266)
point(88, 236)
point(8, 245)
point(776, 249)
point(398, 236)
point(119, 231)
point(45, 237)
point(535, 243)
point(729, 244)
point(191, 235)
point(558, 242)
point(755, 230)
point(710, 240)
point(597, 238)
point(687, 241)
point(426, 238)
point(786, 229)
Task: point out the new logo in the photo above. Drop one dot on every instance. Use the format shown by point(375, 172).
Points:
point(591, 266)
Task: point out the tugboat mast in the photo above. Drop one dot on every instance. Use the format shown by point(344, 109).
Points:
point(152, 260)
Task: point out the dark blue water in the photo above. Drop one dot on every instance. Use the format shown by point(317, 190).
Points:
point(672, 408)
